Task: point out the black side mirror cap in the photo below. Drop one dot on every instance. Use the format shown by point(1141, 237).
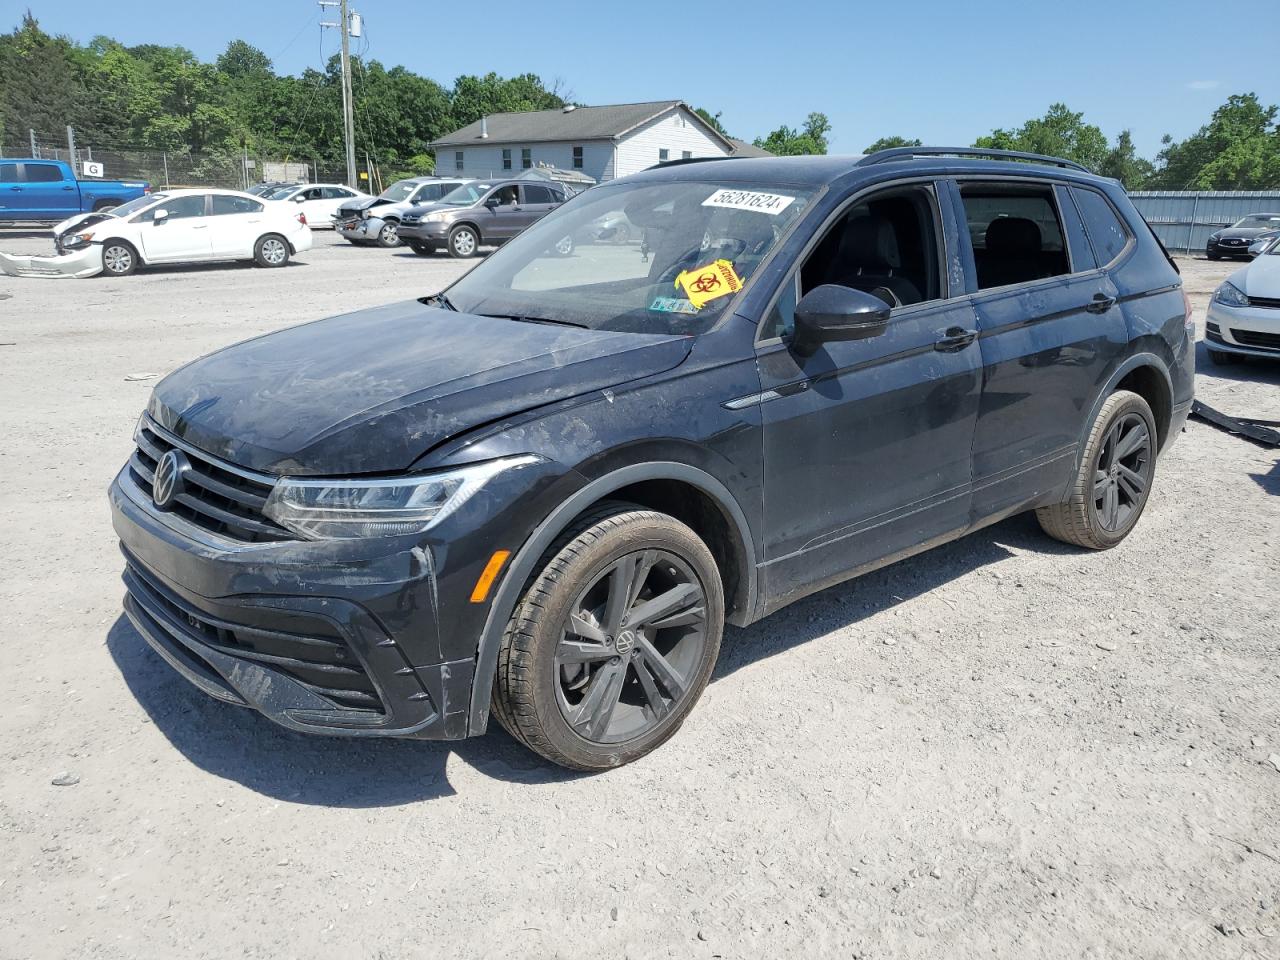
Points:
point(491, 202)
point(831, 312)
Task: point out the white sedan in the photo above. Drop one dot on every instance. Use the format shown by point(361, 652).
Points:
point(1244, 315)
point(319, 201)
point(182, 226)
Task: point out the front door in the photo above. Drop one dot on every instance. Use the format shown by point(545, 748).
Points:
point(182, 235)
point(1051, 328)
point(504, 219)
point(867, 443)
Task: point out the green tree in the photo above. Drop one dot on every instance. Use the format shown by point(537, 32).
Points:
point(1059, 133)
point(810, 139)
point(1238, 149)
point(1123, 163)
point(42, 85)
point(713, 120)
point(475, 97)
point(888, 143)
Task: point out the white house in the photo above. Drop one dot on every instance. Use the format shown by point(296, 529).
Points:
point(601, 142)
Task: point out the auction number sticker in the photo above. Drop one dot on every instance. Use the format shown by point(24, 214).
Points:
point(770, 203)
point(703, 284)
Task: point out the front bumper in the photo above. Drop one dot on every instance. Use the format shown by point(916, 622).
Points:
point(436, 234)
point(85, 262)
point(360, 231)
point(320, 638)
point(1223, 248)
point(1251, 331)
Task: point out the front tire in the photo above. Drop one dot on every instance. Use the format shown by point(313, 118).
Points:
point(119, 258)
point(1113, 481)
point(613, 641)
point(463, 242)
point(389, 235)
point(271, 251)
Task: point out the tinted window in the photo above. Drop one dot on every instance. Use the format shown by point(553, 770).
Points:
point(536, 194)
point(1108, 234)
point(1015, 232)
point(1078, 245)
point(41, 173)
point(223, 204)
point(8, 173)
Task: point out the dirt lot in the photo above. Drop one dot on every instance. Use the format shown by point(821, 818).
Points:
point(1004, 747)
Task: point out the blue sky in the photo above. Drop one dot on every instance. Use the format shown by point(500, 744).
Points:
point(942, 71)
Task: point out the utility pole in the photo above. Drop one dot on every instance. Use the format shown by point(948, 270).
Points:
point(348, 107)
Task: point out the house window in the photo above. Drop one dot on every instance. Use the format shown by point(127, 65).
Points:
point(663, 154)
point(506, 159)
point(526, 158)
point(686, 154)
point(458, 161)
point(577, 158)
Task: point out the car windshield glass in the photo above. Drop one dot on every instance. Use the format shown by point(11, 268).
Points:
point(139, 203)
point(641, 257)
point(398, 191)
point(465, 195)
point(282, 194)
point(1259, 222)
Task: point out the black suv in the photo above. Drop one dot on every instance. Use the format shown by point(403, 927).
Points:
point(543, 492)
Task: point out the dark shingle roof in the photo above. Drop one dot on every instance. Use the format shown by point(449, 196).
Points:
point(741, 148)
point(581, 123)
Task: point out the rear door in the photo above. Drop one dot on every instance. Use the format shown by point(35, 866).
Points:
point(235, 223)
point(46, 194)
point(182, 235)
point(1050, 329)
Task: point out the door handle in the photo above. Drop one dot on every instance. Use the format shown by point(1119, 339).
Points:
point(1100, 303)
point(16, 189)
point(67, 186)
point(199, 226)
point(955, 340)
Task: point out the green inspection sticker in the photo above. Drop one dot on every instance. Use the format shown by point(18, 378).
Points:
point(672, 305)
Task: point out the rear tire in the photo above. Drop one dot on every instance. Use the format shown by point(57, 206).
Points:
point(1113, 481)
point(1221, 358)
point(593, 673)
point(119, 258)
point(271, 251)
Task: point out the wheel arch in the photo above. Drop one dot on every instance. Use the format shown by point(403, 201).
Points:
point(1146, 375)
point(132, 245)
point(474, 227)
point(685, 492)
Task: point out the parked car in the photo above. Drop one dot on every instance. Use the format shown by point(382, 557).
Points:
point(377, 219)
point(270, 186)
point(46, 191)
point(319, 201)
point(481, 213)
point(1259, 247)
point(1235, 240)
point(184, 226)
point(543, 492)
point(1244, 315)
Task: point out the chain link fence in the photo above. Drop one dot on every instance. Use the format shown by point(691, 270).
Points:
point(166, 169)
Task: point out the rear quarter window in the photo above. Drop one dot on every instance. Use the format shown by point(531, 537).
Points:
point(1107, 231)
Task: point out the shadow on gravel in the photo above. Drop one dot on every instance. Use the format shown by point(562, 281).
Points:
point(1246, 370)
point(849, 603)
point(238, 744)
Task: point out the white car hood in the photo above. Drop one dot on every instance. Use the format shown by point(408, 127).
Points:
point(1260, 278)
point(73, 221)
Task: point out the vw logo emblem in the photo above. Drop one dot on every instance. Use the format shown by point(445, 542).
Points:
point(626, 640)
point(168, 480)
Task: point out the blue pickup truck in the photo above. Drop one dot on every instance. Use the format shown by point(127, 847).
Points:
point(47, 190)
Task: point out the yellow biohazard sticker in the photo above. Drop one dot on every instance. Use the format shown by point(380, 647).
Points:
point(703, 284)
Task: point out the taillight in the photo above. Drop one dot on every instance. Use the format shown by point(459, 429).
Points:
point(146, 190)
point(302, 219)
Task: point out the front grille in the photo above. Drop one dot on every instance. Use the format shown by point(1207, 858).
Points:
point(1252, 338)
point(1271, 302)
point(215, 496)
point(320, 661)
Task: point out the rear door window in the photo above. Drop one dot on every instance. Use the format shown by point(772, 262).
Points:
point(537, 194)
point(1106, 229)
point(223, 205)
point(1015, 232)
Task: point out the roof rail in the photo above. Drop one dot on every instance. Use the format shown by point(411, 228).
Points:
point(908, 153)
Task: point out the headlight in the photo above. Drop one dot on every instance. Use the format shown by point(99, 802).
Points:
point(352, 509)
point(1214, 236)
point(1231, 296)
point(77, 239)
point(433, 218)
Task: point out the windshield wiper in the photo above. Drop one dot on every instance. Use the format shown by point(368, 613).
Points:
point(439, 300)
point(521, 319)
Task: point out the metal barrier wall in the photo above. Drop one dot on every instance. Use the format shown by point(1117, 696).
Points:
point(1183, 219)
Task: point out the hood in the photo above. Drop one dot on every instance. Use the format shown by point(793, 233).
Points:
point(1261, 278)
point(81, 221)
point(367, 203)
point(1246, 233)
point(372, 391)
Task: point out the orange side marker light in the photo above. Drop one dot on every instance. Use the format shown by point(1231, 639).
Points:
point(488, 575)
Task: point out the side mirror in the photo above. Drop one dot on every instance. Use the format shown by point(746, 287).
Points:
point(832, 312)
point(491, 203)
point(159, 217)
point(299, 198)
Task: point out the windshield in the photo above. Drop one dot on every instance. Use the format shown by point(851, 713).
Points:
point(139, 203)
point(284, 193)
point(1259, 221)
point(642, 257)
point(1274, 249)
point(398, 191)
point(465, 195)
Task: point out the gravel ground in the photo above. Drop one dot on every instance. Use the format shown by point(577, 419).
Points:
point(1004, 747)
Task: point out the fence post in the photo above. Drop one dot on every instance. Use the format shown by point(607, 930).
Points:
point(1195, 207)
point(165, 158)
point(35, 155)
point(71, 147)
